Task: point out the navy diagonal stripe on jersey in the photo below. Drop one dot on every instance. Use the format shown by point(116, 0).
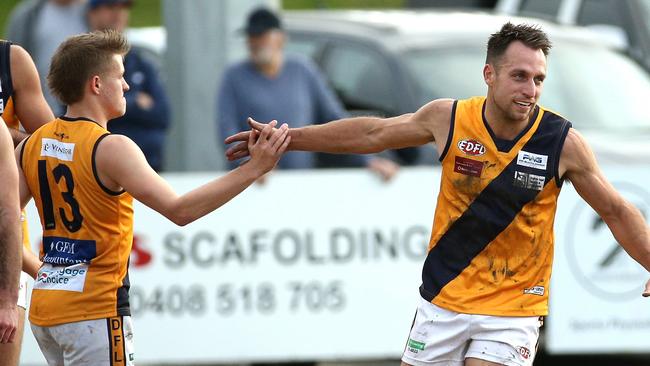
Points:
point(488, 215)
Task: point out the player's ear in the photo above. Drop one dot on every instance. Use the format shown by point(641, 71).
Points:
point(95, 84)
point(489, 74)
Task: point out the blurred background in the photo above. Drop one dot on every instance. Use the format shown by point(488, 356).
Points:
point(319, 263)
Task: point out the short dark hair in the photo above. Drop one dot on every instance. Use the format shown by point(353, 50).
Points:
point(80, 57)
point(530, 35)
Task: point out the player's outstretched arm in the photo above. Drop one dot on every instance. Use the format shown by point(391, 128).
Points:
point(31, 107)
point(121, 164)
point(624, 220)
point(10, 254)
point(362, 135)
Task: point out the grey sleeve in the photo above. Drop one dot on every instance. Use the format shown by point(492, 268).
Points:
point(228, 119)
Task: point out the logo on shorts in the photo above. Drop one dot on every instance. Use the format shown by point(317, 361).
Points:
point(537, 290)
point(71, 278)
point(415, 346)
point(471, 147)
point(524, 352)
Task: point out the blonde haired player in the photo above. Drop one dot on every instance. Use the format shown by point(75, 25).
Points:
point(83, 180)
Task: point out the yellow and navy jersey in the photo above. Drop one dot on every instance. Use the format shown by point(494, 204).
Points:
point(491, 247)
point(7, 110)
point(87, 228)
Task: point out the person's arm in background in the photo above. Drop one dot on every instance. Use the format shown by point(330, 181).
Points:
point(148, 106)
point(10, 252)
point(329, 108)
point(31, 108)
point(227, 117)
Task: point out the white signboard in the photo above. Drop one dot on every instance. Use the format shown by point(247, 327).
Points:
point(596, 303)
point(310, 265)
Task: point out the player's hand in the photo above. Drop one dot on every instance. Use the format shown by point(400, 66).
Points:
point(386, 169)
point(266, 147)
point(646, 292)
point(240, 150)
point(8, 322)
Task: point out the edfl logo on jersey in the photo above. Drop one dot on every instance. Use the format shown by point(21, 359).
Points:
point(471, 147)
point(71, 278)
point(65, 251)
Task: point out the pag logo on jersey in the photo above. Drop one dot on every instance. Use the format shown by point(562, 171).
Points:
point(471, 147)
point(64, 251)
point(70, 278)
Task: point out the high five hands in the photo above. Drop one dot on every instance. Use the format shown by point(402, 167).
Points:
point(265, 146)
point(241, 148)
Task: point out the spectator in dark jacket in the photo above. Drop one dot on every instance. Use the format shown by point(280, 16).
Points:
point(147, 107)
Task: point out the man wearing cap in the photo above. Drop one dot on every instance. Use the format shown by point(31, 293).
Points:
point(271, 85)
point(147, 107)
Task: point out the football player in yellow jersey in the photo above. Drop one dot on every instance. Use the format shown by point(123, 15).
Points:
point(504, 159)
point(83, 180)
point(9, 240)
point(21, 105)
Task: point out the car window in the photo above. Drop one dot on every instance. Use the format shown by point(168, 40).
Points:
point(546, 8)
point(601, 12)
point(581, 86)
point(360, 77)
point(437, 72)
point(303, 46)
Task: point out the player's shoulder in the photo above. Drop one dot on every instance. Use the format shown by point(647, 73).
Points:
point(18, 53)
point(552, 117)
point(438, 109)
point(113, 145)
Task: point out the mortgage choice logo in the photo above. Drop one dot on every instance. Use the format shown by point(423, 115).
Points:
point(66, 278)
point(596, 259)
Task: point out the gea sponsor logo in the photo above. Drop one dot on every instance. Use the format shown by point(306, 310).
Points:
point(471, 147)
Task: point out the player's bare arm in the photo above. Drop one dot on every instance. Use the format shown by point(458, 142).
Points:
point(31, 107)
point(121, 164)
point(10, 244)
point(363, 135)
point(31, 263)
point(578, 165)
